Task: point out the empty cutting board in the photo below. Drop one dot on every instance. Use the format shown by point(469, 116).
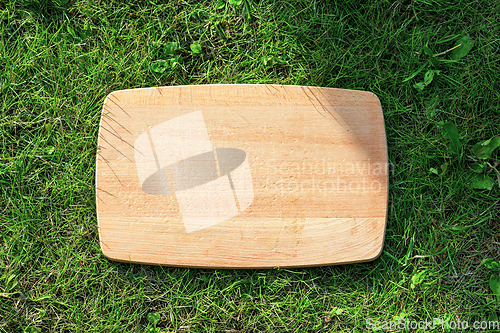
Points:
point(242, 176)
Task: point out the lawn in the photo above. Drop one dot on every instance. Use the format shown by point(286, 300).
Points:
point(58, 61)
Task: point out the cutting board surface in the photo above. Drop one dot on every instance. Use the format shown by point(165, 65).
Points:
point(241, 176)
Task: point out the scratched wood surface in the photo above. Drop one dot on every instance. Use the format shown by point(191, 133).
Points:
point(241, 176)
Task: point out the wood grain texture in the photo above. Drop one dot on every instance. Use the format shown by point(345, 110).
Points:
point(242, 176)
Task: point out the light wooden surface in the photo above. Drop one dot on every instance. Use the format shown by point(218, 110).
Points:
point(242, 176)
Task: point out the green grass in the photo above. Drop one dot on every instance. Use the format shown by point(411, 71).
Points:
point(53, 81)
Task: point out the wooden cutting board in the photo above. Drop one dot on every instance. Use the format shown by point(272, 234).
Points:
point(242, 176)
